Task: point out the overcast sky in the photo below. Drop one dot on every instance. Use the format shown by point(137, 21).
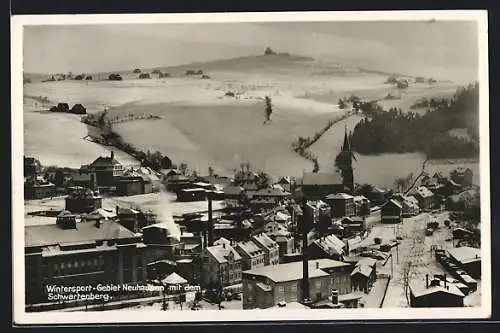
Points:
point(439, 49)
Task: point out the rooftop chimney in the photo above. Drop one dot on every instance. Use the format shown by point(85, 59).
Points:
point(112, 154)
point(224, 245)
point(445, 282)
point(317, 264)
point(427, 280)
point(335, 296)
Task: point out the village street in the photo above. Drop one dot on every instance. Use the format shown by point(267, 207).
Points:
point(413, 254)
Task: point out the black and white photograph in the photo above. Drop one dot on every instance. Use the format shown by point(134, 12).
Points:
point(191, 167)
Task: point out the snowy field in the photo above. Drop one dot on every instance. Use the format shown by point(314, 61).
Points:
point(202, 127)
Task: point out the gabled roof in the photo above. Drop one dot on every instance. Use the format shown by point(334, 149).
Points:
point(364, 270)
point(265, 241)
point(394, 202)
point(424, 192)
point(279, 216)
point(419, 290)
point(285, 180)
point(360, 198)
point(271, 192)
point(221, 252)
point(339, 196)
point(321, 179)
point(331, 245)
point(105, 161)
point(249, 248)
point(221, 241)
point(366, 261)
point(174, 279)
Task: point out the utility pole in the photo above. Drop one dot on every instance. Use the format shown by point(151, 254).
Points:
point(392, 267)
point(397, 254)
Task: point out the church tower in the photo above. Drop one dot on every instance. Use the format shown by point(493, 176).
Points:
point(343, 162)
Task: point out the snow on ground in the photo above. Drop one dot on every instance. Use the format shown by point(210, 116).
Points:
point(174, 306)
point(153, 201)
point(415, 249)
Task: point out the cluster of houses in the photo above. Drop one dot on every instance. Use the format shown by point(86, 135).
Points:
point(251, 246)
point(105, 173)
point(454, 193)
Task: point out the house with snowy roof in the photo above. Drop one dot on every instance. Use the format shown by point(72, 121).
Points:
point(329, 247)
point(435, 293)
point(364, 274)
point(221, 266)
point(252, 256)
point(425, 197)
point(270, 248)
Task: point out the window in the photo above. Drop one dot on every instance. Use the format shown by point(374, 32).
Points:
point(294, 288)
point(281, 289)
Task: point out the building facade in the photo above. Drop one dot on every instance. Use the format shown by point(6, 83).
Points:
point(221, 266)
point(425, 198)
point(270, 248)
point(82, 200)
point(74, 254)
point(392, 212)
point(106, 170)
point(251, 255)
point(316, 186)
point(341, 204)
point(267, 286)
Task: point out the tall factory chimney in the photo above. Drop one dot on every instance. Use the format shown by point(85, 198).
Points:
point(305, 221)
point(210, 220)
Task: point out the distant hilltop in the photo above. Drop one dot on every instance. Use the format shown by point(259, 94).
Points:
point(269, 62)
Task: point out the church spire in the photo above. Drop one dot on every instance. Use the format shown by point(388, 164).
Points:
point(346, 146)
point(343, 162)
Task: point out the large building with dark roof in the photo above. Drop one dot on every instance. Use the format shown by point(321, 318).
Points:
point(72, 253)
point(316, 186)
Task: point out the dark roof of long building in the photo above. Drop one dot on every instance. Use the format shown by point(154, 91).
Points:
point(321, 179)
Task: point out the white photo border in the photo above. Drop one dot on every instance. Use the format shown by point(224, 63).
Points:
point(20, 317)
